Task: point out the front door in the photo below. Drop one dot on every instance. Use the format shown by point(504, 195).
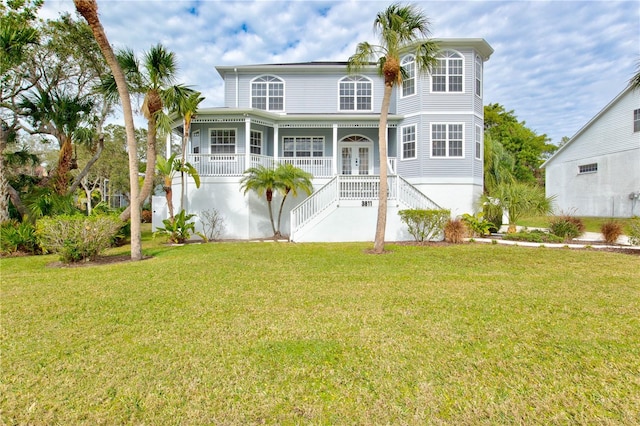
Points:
point(355, 156)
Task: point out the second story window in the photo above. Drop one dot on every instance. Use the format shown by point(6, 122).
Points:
point(478, 76)
point(355, 94)
point(267, 92)
point(409, 78)
point(636, 120)
point(447, 75)
point(409, 142)
point(446, 140)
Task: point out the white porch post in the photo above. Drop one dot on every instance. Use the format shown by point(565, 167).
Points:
point(247, 142)
point(168, 147)
point(334, 166)
point(276, 145)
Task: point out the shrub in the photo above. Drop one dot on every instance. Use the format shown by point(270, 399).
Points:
point(566, 226)
point(18, 237)
point(146, 216)
point(425, 224)
point(634, 231)
point(212, 223)
point(179, 230)
point(611, 231)
point(76, 238)
point(477, 225)
point(534, 236)
point(455, 231)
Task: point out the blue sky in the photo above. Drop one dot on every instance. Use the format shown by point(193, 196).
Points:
point(556, 63)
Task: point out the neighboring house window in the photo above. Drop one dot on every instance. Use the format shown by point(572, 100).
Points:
point(409, 142)
point(588, 168)
point(478, 142)
point(447, 74)
point(303, 146)
point(636, 120)
point(446, 140)
point(409, 79)
point(255, 142)
point(478, 76)
point(223, 141)
point(267, 92)
point(355, 94)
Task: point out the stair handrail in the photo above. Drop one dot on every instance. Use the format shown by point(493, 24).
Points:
point(313, 205)
point(413, 197)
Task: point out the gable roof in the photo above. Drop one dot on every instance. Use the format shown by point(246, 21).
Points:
point(584, 128)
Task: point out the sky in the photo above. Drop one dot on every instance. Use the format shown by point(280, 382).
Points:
point(556, 64)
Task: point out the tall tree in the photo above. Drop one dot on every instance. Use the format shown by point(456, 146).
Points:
point(402, 29)
point(89, 10)
point(17, 34)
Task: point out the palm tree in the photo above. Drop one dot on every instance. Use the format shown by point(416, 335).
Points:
point(153, 78)
point(89, 10)
point(292, 179)
point(62, 116)
point(402, 29)
point(167, 169)
point(264, 181)
point(184, 101)
point(635, 80)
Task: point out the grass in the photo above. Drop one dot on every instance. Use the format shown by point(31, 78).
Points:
point(272, 333)
point(592, 224)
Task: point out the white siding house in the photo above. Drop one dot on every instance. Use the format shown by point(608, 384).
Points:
point(320, 118)
point(597, 172)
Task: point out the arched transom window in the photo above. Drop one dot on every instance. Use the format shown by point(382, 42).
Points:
point(447, 75)
point(409, 78)
point(355, 94)
point(267, 92)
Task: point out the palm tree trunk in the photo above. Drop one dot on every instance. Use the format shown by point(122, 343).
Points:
point(4, 183)
point(381, 224)
point(269, 199)
point(89, 10)
point(169, 196)
point(284, 198)
point(64, 166)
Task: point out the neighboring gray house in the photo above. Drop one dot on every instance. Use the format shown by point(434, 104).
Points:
point(597, 172)
point(325, 121)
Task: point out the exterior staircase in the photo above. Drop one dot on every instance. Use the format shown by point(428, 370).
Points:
point(353, 198)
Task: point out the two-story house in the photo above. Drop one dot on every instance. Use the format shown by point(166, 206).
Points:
point(320, 118)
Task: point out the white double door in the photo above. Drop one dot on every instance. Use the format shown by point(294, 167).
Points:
point(356, 159)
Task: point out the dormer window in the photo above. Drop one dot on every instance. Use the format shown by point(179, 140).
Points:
point(447, 75)
point(409, 78)
point(267, 93)
point(355, 94)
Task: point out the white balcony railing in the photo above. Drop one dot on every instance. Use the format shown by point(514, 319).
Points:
point(234, 164)
point(318, 166)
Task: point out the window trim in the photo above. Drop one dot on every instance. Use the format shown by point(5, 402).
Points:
point(273, 79)
point(444, 55)
point(636, 120)
point(235, 143)
point(585, 169)
point(447, 141)
point(415, 142)
point(251, 146)
point(478, 142)
point(409, 60)
point(313, 138)
point(478, 77)
point(354, 79)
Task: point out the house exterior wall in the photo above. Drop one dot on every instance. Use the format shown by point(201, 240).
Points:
point(608, 141)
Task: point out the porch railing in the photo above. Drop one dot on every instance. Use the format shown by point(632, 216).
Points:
point(311, 207)
point(234, 164)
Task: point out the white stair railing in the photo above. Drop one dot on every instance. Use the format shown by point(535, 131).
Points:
point(413, 197)
point(311, 207)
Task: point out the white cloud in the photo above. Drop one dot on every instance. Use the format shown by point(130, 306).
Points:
point(556, 63)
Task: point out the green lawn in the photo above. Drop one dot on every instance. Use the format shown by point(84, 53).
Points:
point(272, 333)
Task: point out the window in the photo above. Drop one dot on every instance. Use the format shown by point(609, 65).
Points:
point(355, 94)
point(409, 142)
point(267, 93)
point(447, 74)
point(223, 141)
point(588, 168)
point(195, 142)
point(303, 146)
point(409, 79)
point(636, 120)
point(255, 142)
point(478, 76)
point(446, 140)
point(478, 142)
